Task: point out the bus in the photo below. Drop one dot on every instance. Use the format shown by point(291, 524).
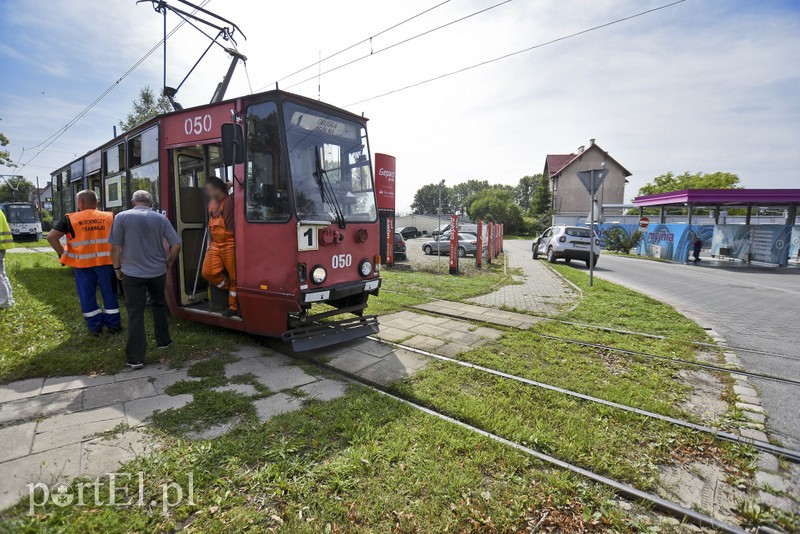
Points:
point(23, 220)
point(307, 228)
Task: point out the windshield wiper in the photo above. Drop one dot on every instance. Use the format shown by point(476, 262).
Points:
point(326, 188)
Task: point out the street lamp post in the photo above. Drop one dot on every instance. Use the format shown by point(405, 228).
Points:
point(439, 228)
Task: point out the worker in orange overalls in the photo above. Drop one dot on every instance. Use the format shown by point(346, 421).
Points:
point(89, 252)
point(219, 265)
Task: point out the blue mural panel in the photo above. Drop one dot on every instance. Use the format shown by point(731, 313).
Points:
point(794, 247)
point(768, 243)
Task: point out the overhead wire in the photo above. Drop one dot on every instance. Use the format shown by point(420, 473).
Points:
point(518, 52)
point(42, 146)
point(399, 43)
point(363, 41)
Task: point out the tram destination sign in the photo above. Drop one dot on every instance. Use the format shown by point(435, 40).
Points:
point(324, 125)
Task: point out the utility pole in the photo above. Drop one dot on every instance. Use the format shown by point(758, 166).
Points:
point(38, 199)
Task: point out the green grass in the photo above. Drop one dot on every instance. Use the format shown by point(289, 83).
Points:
point(409, 288)
point(363, 463)
point(31, 244)
point(45, 335)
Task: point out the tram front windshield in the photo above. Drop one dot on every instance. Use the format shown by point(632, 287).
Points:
point(330, 166)
point(20, 214)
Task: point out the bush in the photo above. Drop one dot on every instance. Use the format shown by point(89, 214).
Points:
point(618, 241)
point(47, 221)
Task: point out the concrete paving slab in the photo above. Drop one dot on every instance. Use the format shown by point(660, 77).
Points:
point(50, 467)
point(108, 394)
point(244, 352)
point(374, 348)
point(20, 389)
point(451, 350)
point(107, 454)
point(41, 406)
point(751, 433)
point(277, 404)
point(782, 503)
point(286, 377)
point(215, 431)
point(393, 334)
point(742, 406)
point(162, 382)
point(56, 422)
point(352, 362)
point(325, 389)
point(65, 383)
point(425, 342)
point(489, 333)
point(137, 411)
point(247, 390)
point(402, 364)
point(756, 417)
point(252, 366)
point(750, 400)
point(768, 462)
point(451, 325)
point(52, 439)
point(401, 324)
point(145, 372)
point(16, 440)
point(431, 330)
point(770, 480)
point(466, 338)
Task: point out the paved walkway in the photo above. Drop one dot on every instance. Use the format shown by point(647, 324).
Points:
point(49, 427)
point(541, 290)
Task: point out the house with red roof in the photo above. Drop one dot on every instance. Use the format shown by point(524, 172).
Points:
point(569, 196)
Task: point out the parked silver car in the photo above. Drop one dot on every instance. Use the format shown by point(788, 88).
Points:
point(567, 242)
point(467, 245)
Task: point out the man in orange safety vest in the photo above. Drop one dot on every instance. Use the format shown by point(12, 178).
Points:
point(89, 252)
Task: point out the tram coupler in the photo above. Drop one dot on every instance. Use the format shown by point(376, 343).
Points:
point(319, 335)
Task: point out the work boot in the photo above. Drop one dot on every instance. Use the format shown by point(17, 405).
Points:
point(230, 313)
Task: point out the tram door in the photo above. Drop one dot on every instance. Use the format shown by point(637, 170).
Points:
point(191, 166)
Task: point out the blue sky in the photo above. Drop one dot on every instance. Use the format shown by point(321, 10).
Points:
point(707, 85)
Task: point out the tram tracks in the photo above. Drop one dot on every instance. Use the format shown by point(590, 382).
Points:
point(788, 454)
point(624, 490)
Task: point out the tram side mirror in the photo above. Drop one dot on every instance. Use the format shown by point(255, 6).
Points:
point(232, 144)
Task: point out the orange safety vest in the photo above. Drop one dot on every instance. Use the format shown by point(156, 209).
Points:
point(216, 223)
point(90, 246)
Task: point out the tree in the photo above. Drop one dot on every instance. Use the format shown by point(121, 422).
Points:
point(426, 200)
point(524, 192)
point(497, 205)
point(145, 108)
point(460, 193)
point(670, 182)
point(541, 204)
point(618, 241)
point(16, 189)
point(5, 155)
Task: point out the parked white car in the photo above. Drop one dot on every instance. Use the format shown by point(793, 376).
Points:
point(567, 242)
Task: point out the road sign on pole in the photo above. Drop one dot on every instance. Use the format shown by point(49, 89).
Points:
point(644, 222)
point(591, 180)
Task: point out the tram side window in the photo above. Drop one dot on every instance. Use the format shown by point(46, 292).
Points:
point(144, 163)
point(115, 181)
point(67, 197)
point(267, 195)
point(57, 211)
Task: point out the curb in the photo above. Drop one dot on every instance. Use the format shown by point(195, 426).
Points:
point(769, 480)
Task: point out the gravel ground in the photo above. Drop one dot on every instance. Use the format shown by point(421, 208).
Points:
point(417, 259)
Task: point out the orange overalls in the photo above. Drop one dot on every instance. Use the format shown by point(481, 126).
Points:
point(221, 255)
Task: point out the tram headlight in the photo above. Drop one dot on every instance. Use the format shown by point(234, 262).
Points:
point(318, 274)
point(365, 268)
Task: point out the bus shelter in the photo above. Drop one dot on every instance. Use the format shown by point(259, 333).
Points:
point(730, 222)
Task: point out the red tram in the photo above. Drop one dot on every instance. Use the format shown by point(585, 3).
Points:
point(307, 230)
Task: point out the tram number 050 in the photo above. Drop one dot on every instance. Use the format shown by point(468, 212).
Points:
point(341, 261)
point(197, 125)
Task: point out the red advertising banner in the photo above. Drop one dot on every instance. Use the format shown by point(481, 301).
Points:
point(385, 182)
point(389, 241)
point(454, 244)
point(479, 254)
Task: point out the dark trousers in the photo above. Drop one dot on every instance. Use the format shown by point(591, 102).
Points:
point(136, 291)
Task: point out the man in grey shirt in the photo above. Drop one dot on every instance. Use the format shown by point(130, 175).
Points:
point(137, 252)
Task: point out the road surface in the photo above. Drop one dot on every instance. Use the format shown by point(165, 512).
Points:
point(754, 308)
